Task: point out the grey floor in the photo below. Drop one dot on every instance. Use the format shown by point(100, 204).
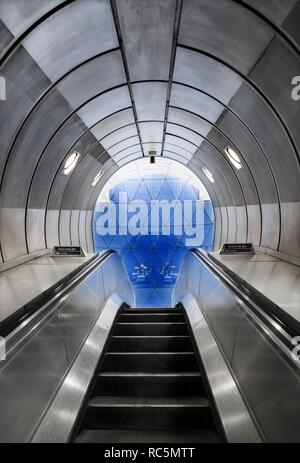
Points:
point(21, 284)
point(275, 278)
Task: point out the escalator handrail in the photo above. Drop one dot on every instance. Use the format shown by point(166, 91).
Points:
point(280, 322)
point(22, 315)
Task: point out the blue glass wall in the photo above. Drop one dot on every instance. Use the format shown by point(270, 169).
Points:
point(153, 261)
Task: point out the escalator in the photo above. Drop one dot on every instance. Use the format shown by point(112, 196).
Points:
point(149, 385)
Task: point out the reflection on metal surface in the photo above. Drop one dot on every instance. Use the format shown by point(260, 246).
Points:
point(42, 353)
point(234, 415)
point(57, 424)
point(259, 362)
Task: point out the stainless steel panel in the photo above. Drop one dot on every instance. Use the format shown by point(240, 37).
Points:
point(232, 224)
point(129, 158)
point(290, 239)
point(52, 235)
point(271, 385)
point(127, 152)
point(56, 425)
point(64, 228)
point(147, 29)
point(12, 233)
point(150, 100)
point(222, 311)
point(151, 131)
point(27, 382)
point(92, 78)
point(89, 237)
point(74, 227)
point(263, 122)
point(276, 10)
point(104, 105)
point(119, 135)
point(82, 30)
point(190, 121)
point(218, 229)
point(234, 415)
point(254, 224)
point(184, 132)
point(82, 231)
point(270, 226)
point(185, 145)
point(38, 362)
point(176, 157)
point(122, 145)
point(112, 123)
point(276, 279)
point(258, 361)
point(18, 15)
point(226, 30)
point(35, 229)
point(196, 102)
point(206, 74)
point(178, 150)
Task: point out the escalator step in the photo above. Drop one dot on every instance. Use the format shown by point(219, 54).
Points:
point(132, 412)
point(149, 387)
point(157, 317)
point(148, 329)
point(150, 362)
point(120, 436)
point(149, 384)
point(152, 311)
point(150, 344)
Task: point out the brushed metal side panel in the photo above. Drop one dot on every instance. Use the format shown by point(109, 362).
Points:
point(82, 234)
point(27, 381)
point(64, 228)
point(57, 423)
point(52, 237)
point(258, 361)
point(218, 228)
point(270, 226)
point(48, 345)
point(254, 224)
point(74, 219)
point(224, 237)
point(232, 224)
point(12, 233)
point(35, 229)
point(221, 309)
point(234, 415)
point(290, 226)
point(241, 224)
point(271, 386)
point(89, 234)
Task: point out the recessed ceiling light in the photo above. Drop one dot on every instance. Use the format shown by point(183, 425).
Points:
point(71, 162)
point(208, 174)
point(233, 158)
point(97, 178)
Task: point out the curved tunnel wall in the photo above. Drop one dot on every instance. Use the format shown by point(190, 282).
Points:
point(115, 79)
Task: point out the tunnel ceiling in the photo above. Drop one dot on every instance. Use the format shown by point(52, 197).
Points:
point(113, 80)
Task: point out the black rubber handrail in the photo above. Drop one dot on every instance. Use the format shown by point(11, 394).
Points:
point(14, 320)
point(249, 294)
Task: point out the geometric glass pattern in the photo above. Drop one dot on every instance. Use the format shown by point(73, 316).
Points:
point(153, 261)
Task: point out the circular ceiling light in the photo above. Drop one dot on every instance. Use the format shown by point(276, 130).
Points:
point(97, 178)
point(71, 162)
point(233, 158)
point(208, 174)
